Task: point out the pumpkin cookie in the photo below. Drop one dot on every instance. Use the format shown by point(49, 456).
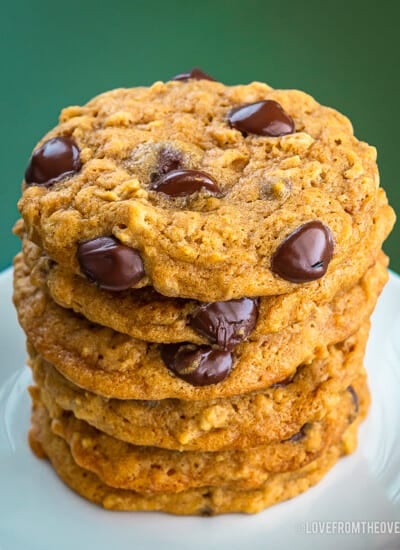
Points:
point(147, 315)
point(248, 420)
point(115, 365)
point(150, 469)
point(202, 191)
point(200, 501)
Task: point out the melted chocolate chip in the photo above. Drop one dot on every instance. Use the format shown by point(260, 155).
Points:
point(265, 118)
point(206, 511)
point(195, 74)
point(305, 254)
point(354, 396)
point(57, 158)
point(225, 323)
point(301, 434)
point(110, 264)
point(180, 183)
point(167, 161)
point(198, 365)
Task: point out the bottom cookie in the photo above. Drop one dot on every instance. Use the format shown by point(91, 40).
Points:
point(153, 470)
point(204, 501)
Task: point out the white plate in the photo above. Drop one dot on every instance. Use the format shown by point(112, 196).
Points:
point(37, 512)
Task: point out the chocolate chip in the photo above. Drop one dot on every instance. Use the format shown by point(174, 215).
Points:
point(57, 158)
point(168, 160)
point(195, 74)
point(265, 118)
point(206, 511)
point(354, 396)
point(198, 365)
point(225, 323)
point(305, 254)
point(301, 434)
point(180, 183)
point(110, 264)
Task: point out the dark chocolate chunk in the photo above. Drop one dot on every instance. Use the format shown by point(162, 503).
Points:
point(198, 365)
point(195, 74)
point(226, 323)
point(301, 434)
point(305, 254)
point(180, 183)
point(110, 264)
point(206, 511)
point(265, 118)
point(56, 159)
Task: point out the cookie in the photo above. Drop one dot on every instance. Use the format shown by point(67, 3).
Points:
point(114, 365)
point(202, 191)
point(146, 315)
point(201, 501)
point(150, 469)
point(249, 420)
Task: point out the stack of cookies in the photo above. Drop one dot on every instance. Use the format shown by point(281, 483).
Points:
point(199, 266)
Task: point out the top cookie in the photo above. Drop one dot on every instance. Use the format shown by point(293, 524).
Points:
point(202, 190)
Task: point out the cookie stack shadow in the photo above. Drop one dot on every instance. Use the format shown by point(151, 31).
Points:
point(143, 402)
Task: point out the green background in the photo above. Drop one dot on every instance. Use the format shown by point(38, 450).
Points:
point(53, 54)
